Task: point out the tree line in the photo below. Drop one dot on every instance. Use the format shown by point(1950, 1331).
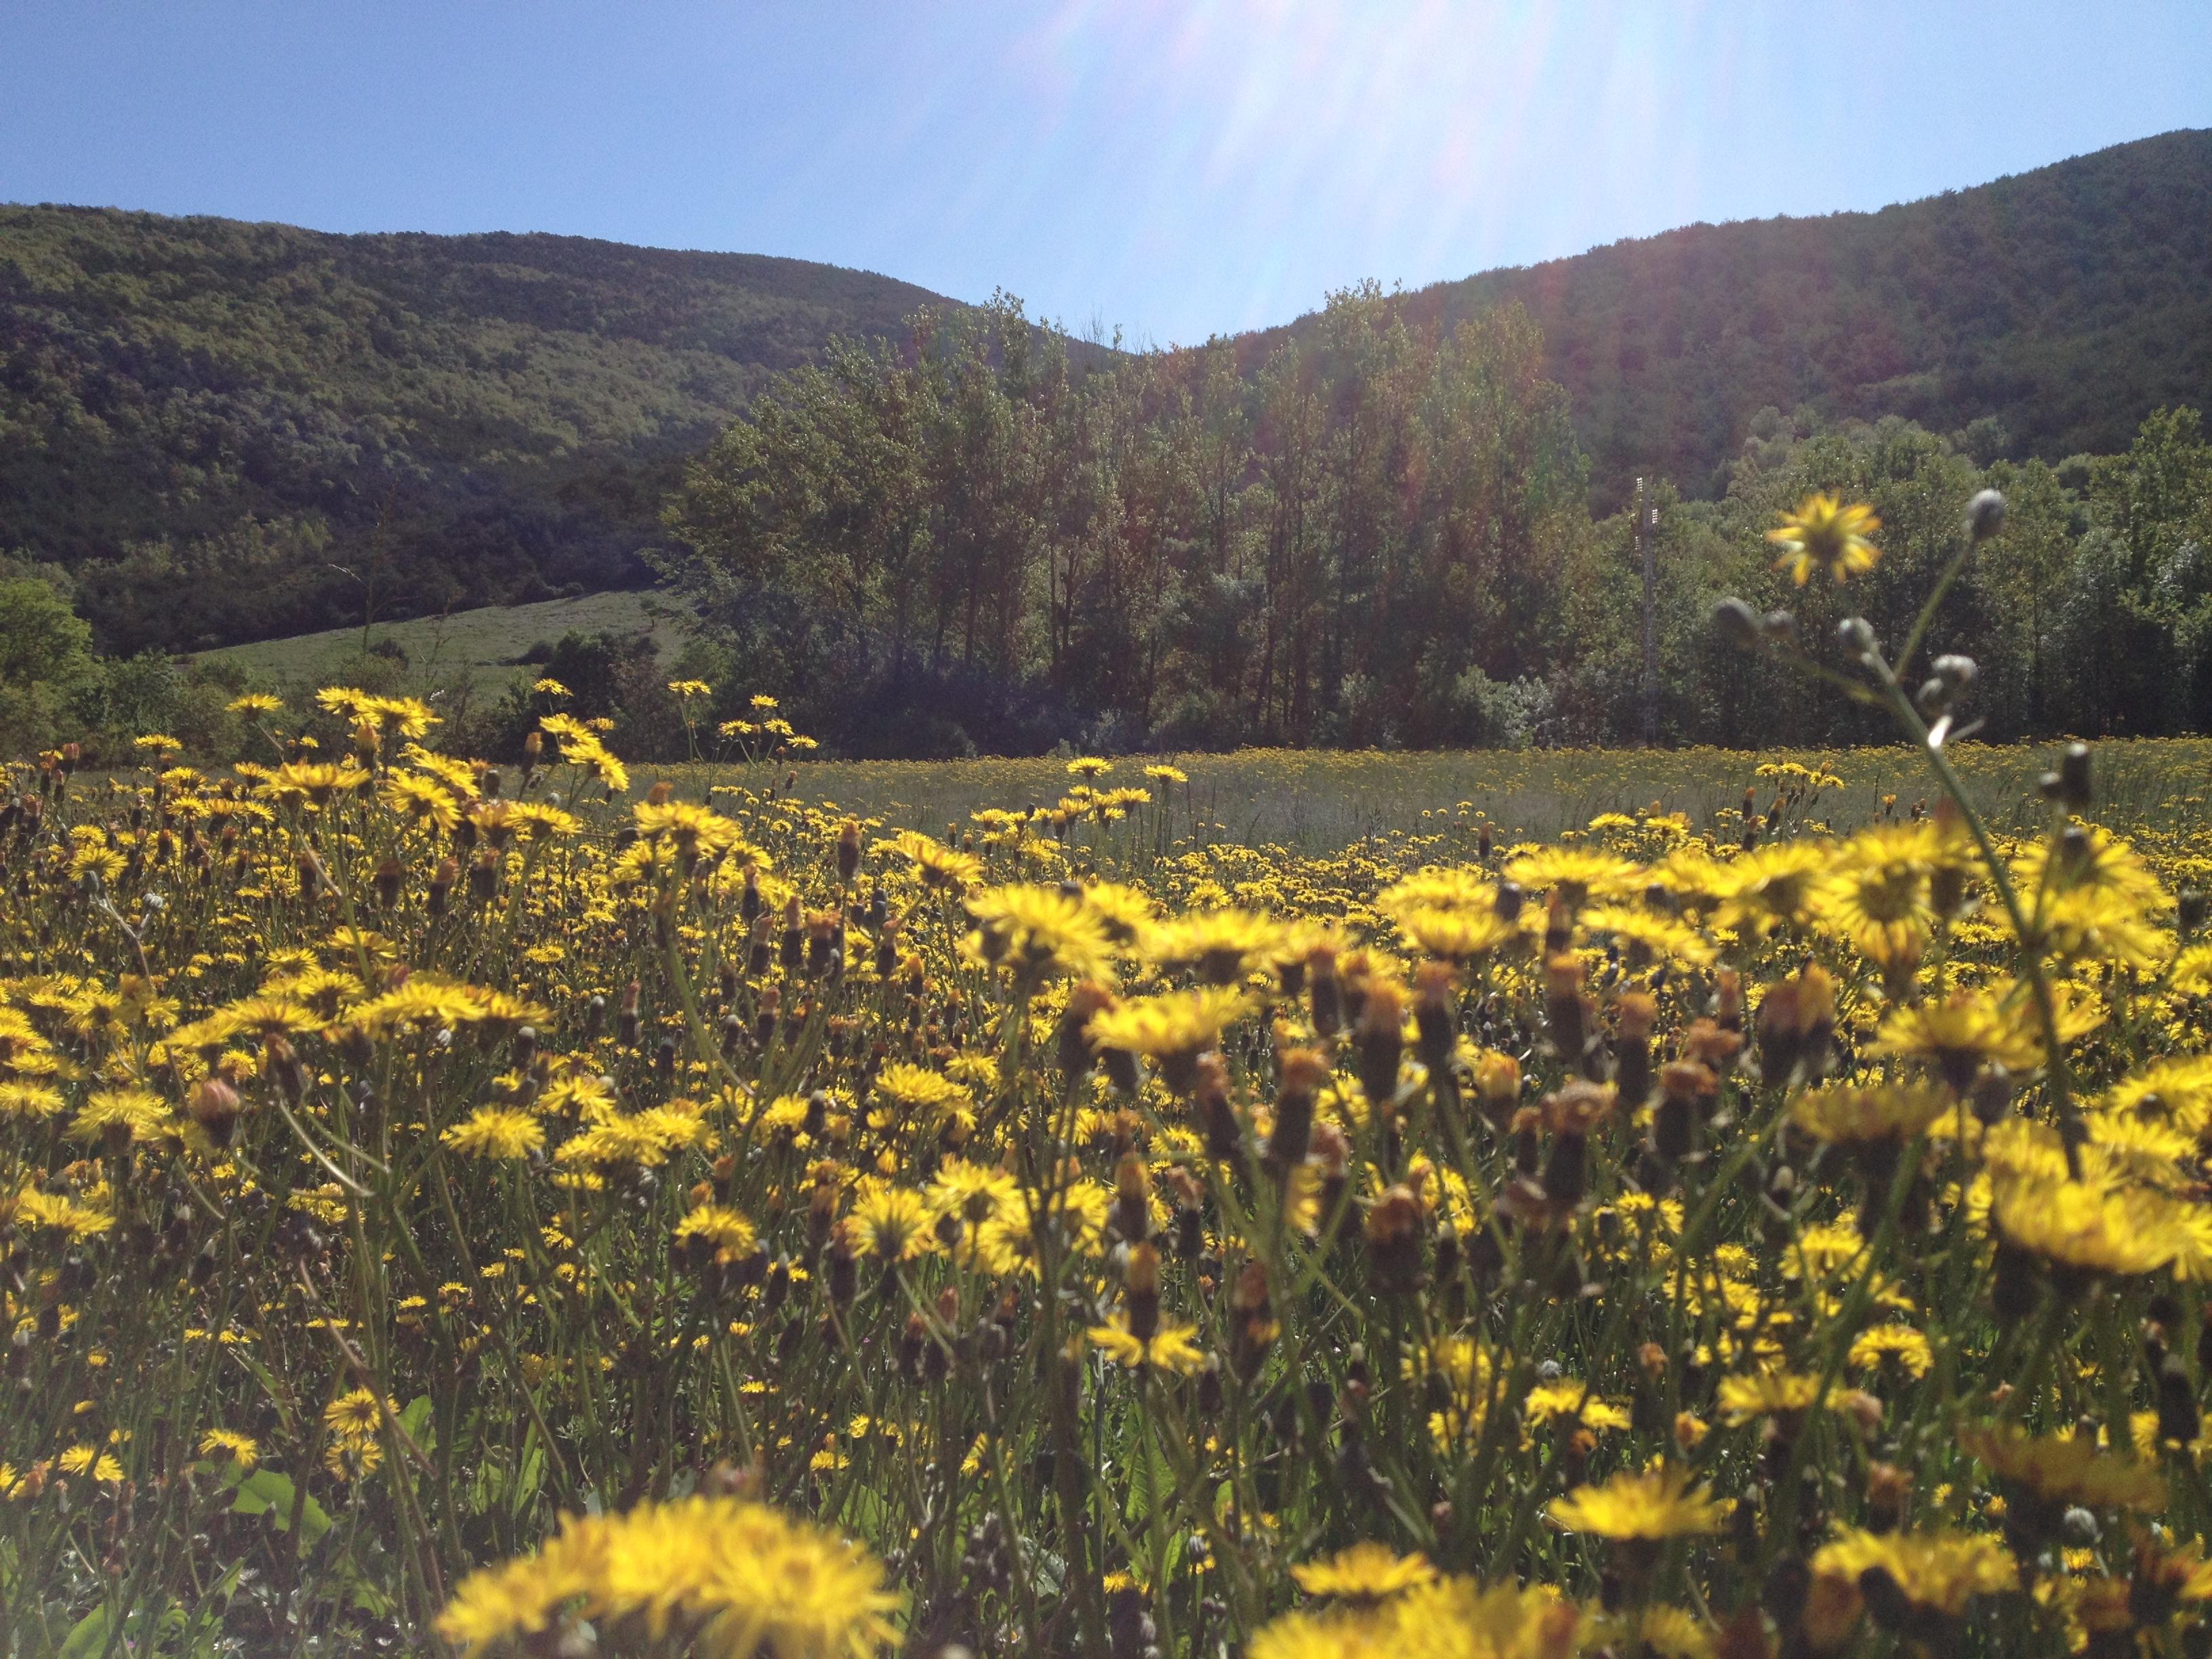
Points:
point(983, 537)
point(1378, 536)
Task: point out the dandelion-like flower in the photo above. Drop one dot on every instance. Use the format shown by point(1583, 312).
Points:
point(1643, 1508)
point(354, 1416)
point(1824, 534)
point(2066, 1469)
point(1172, 1348)
point(747, 1578)
point(893, 1225)
point(1848, 1115)
point(939, 866)
point(1366, 1572)
point(496, 1132)
point(1173, 1029)
point(1936, 1572)
point(1961, 1034)
point(1448, 1619)
point(1036, 930)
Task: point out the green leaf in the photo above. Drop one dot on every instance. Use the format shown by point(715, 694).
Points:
point(415, 1418)
point(244, 1355)
point(530, 1478)
point(89, 1634)
point(1150, 1481)
point(265, 1491)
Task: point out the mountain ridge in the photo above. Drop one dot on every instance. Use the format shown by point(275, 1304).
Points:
point(1926, 289)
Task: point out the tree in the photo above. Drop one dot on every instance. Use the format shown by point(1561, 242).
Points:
point(42, 640)
point(45, 647)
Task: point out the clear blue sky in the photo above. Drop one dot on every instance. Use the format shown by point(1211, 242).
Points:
point(1177, 169)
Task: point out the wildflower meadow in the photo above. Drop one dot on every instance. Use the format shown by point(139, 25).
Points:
point(500, 1209)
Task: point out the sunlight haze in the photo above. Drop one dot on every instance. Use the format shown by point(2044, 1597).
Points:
point(1170, 170)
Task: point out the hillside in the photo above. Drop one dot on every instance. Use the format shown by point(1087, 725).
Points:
point(481, 650)
point(201, 418)
point(2068, 302)
point(228, 432)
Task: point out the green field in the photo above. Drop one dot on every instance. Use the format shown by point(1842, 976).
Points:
point(1318, 801)
point(475, 648)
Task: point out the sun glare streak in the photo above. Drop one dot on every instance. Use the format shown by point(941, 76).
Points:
point(1410, 147)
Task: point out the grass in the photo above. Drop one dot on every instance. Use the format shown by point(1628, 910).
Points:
point(476, 647)
point(1318, 802)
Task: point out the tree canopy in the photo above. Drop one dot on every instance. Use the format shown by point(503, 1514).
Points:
point(1379, 535)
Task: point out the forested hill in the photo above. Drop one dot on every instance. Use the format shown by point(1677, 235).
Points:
point(2067, 303)
point(200, 418)
point(223, 432)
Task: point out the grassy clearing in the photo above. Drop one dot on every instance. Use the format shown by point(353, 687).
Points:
point(478, 647)
point(1319, 802)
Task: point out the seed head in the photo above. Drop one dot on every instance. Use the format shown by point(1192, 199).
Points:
point(1986, 514)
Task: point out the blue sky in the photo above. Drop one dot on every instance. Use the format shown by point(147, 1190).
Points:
point(1174, 169)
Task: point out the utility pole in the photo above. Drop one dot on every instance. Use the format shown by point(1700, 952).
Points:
point(1647, 527)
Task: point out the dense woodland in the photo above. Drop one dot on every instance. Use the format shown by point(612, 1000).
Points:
point(1381, 538)
point(223, 431)
point(2066, 303)
point(935, 528)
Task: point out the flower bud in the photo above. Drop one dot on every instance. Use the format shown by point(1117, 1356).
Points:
point(1737, 621)
point(1140, 1288)
point(1498, 1084)
point(1566, 1010)
point(1071, 1043)
point(2070, 786)
point(1986, 514)
point(1381, 1041)
point(1955, 670)
point(1292, 1135)
point(442, 885)
point(1133, 1209)
point(1224, 1135)
point(1252, 1326)
point(1394, 1241)
point(2191, 912)
point(214, 1107)
point(844, 1279)
point(1631, 1047)
point(1434, 1013)
point(792, 951)
point(1687, 1088)
point(1326, 991)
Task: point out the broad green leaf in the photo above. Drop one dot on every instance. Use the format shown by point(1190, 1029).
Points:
point(265, 1490)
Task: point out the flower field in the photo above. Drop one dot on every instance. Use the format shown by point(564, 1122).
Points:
point(1319, 801)
point(499, 1210)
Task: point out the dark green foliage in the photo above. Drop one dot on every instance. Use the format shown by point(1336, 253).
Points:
point(2063, 305)
point(228, 431)
point(1379, 539)
point(972, 542)
point(45, 653)
point(607, 675)
point(965, 533)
